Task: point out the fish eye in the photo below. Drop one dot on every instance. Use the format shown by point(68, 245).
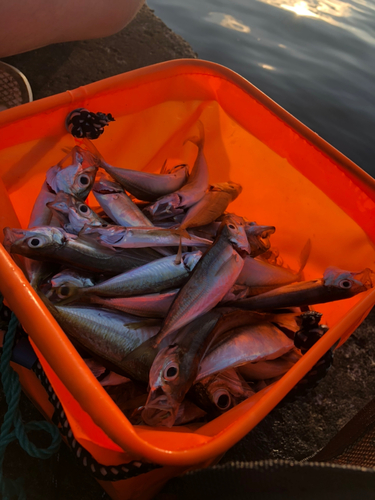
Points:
point(171, 371)
point(84, 180)
point(222, 399)
point(64, 291)
point(35, 242)
point(231, 226)
point(346, 284)
point(83, 208)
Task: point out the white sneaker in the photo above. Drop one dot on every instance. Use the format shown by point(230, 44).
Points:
point(14, 87)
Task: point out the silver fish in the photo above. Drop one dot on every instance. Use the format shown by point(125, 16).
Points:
point(213, 276)
point(263, 370)
point(64, 284)
point(243, 345)
point(77, 178)
point(117, 204)
point(154, 276)
point(260, 276)
point(107, 334)
point(141, 237)
point(41, 215)
point(73, 213)
point(175, 367)
point(336, 284)
point(55, 245)
point(212, 205)
point(258, 237)
point(220, 392)
point(195, 187)
point(146, 186)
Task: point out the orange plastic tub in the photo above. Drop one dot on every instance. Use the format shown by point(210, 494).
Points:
point(291, 179)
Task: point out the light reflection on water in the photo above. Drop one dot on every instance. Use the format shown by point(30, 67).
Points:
point(326, 10)
point(315, 58)
point(227, 21)
point(329, 11)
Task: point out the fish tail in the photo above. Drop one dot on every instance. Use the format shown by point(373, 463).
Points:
point(198, 140)
point(305, 254)
point(92, 148)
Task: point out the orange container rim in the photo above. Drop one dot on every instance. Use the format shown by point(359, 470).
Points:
point(56, 348)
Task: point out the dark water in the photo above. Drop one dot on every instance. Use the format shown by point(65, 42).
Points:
point(316, 58)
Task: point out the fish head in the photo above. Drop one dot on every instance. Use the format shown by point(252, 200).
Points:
point(61, 203)
point(351, 282)
point(60, 207)
point(66, 284)
point(233, 227)
point(34, 241)
point(157, 415)
point(167, 388)
point(225, 390)
point(106, 236)
point(191, 259)
point(80, 215)
point(258, 237)
point(84, 181)
point(77, 178)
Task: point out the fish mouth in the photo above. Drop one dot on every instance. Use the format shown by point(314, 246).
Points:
point(159, 410)
point(11, 236)
point(366, 277)
point(58, 206)
point(156, 417)
point(105, 190)
point(242, 251)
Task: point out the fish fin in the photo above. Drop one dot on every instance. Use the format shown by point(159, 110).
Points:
point(305, 254)
point(51, 177)
point(66, 157)
point(179, 253)
point(181, 232)
point(92, 148)
point(164, 167)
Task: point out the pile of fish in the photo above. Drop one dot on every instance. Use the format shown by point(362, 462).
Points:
point(179, 308)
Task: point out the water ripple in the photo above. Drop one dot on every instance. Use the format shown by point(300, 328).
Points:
point(315, 58)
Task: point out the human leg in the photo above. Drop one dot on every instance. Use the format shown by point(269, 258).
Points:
point(29, 24)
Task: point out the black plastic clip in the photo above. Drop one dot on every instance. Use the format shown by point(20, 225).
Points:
point(82, 123)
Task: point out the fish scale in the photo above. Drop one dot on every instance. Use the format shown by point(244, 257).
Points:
point(108, 334)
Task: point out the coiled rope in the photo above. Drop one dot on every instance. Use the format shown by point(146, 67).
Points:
point(13, 427)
